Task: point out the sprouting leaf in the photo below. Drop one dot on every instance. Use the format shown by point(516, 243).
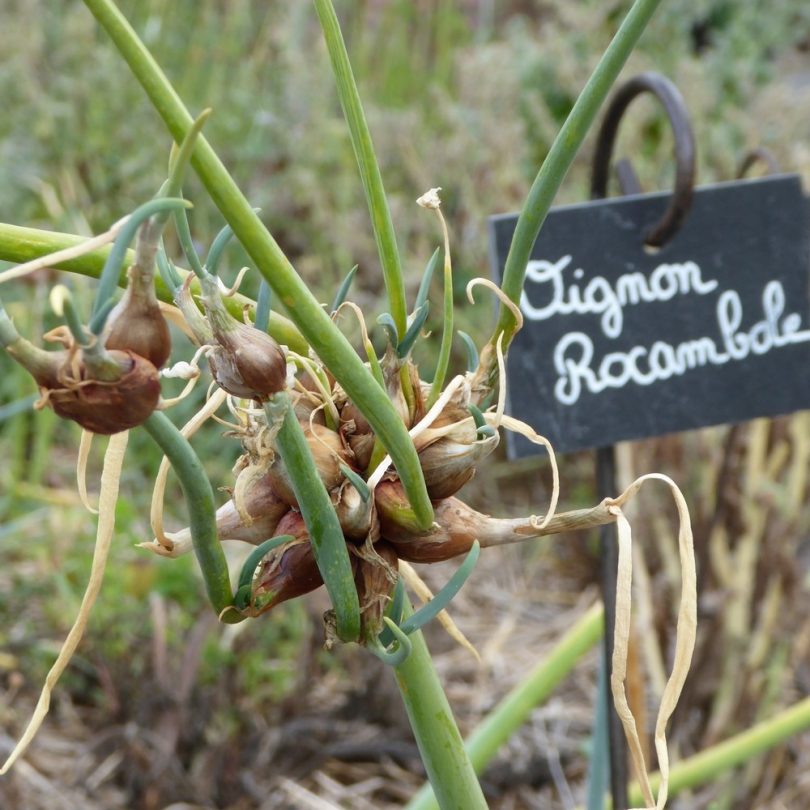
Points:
point(387, 322)
point(110, 274)
point(472, 351)
point(482, 429)
point(427, 276)
point(262, 318)
point(243, 589)
point(187, 243)
point(357, 482)
point(217, 248)
point(419, 318)
point(168, 272)
point(343, 290)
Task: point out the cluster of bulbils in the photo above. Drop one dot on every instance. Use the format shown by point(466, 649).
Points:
point(378, 525)
point(111, 383)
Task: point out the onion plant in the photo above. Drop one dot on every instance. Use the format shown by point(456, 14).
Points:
point(351, 461)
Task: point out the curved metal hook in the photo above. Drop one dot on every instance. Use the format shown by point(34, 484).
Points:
point(759, 154)
point(672, 101)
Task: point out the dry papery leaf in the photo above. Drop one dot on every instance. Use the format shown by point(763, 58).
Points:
point(110, 477)
point(684, 640)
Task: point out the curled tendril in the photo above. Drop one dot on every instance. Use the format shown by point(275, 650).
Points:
point(442, 599)
point(499, 294)
point(402, 649)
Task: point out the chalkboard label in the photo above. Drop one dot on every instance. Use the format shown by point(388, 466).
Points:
point(622, 343)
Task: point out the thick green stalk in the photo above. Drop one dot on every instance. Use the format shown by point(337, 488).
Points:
point(326, 536)
point(708, 765)
point(307, 314)
point(513, 710)
point(202, 512)
point(556, 165)
point(366, 163)
point(24, 244)
point(447, 764)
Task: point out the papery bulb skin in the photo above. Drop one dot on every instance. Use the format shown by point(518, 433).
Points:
point(355, 514)
point(448, 464)
point(257, 505)
point(195, 320)
point(351, 416)
point(375, 578)
point(391, 366)
point(328, 452)
point(359, 436)
point(230, 526)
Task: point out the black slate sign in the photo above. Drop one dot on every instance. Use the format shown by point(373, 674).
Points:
point(621, 343)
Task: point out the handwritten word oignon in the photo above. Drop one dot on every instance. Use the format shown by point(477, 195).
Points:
point(600, 297)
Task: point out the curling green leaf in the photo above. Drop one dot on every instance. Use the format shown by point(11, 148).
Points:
point(442, 599)
point(400, 653)
point(243, 590)
point(108, 281)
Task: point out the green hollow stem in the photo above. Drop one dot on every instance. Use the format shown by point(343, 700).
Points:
point(202, 512)
point(366, 163)
point(19, 244)
point(318, 511)
point(556, 165)
point(448, 765)
point(708, 765)
point(313, 322)
point(512, 711)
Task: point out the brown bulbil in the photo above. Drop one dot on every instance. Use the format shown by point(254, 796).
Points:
point(109, 407)
point(137, 325)
point(291, 572)
point(456, 527)
point(288, 571)
point(351, 413)
point(248, 363)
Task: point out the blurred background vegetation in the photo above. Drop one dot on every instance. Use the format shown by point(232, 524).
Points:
point(162, 706)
